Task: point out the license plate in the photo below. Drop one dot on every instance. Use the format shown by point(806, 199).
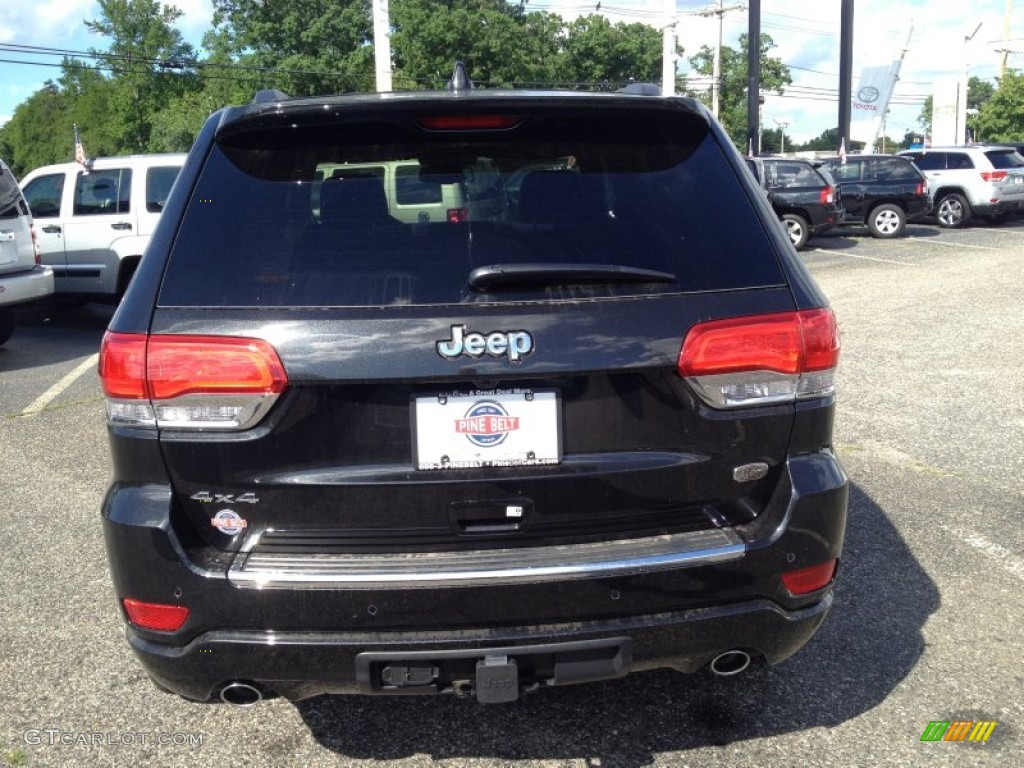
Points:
point(486, 428)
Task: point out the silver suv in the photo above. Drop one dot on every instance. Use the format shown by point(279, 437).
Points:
point(22, 278)
point(93, 224)
point(986, 181)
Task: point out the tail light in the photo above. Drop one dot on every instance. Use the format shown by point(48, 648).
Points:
point(922, 189)
point(36, 250)
point(994, 175)
point(827, 195)
point(762, 359)
point(165, 618)
point(806, 580)
point(457, 215)
point(189, 382)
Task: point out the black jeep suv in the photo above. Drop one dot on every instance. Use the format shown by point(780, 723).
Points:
point(803, 194)
point(580, 424)
point(882, 191)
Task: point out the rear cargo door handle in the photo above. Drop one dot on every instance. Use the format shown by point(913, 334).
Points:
point(121, 225)
point(52, 229)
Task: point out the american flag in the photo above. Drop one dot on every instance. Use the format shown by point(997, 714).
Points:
point(80, 157)
point(842, 150)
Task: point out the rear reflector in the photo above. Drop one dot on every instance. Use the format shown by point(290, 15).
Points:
point(805, 580)
point(762, 359)
point(165, 618)
point(189, 382)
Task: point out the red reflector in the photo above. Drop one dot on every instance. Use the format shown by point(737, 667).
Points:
point(167, 618)
point(122, 365)
point(470, 122)
point(806, 580)
point(787, 342)
point(994, 175)
point(458, 215)
point(181, 365)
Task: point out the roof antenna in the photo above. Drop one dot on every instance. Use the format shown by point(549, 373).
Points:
point(460, 79)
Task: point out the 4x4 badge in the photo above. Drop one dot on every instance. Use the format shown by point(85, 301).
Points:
point(512, 344)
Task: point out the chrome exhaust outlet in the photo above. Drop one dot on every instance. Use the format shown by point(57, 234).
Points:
point(730, 663)
point(241, 694)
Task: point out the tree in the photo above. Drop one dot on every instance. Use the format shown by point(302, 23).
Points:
point(40, 132)
point(732, 97)
point(145, 59)
point(1001, 118)
point(302, 47)
point(827, 141)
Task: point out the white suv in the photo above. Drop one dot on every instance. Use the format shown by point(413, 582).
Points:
point(93, 225)
point(987, 181)
point(22, 278)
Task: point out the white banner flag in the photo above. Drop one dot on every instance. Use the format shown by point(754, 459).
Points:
point(870, 102)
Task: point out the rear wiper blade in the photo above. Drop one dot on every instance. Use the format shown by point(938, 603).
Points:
point(494, 275)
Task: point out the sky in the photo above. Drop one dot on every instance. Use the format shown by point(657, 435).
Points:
point(806, 34)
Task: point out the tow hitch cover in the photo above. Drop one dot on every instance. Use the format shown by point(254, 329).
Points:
point(497, 680)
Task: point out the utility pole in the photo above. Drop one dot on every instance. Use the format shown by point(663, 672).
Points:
point(1006, 38)
point(716, 71)
point(754, 76)
point(668, 52)
point(382, 44)
point(845, 72)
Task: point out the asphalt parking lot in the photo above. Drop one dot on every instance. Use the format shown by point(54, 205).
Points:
point(926, 624)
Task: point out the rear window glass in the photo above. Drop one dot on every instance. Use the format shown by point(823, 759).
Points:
point(361, 215)
point(10, 195)
point(1005, 159)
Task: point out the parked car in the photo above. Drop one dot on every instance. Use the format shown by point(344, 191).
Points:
point(23, 279)
point(94, 223)
point(588, 433)
point(882, 191)
point(803, 194)
point(980, 180)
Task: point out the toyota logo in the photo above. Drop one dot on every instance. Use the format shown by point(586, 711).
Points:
point(868, 94)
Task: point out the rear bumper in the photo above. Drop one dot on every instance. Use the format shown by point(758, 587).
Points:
point(308, 631)
point(299, 665)
point(25, 287)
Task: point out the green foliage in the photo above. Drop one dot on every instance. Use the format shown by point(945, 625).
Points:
point(146, 90)
point(732, 97)
point(1001, 118)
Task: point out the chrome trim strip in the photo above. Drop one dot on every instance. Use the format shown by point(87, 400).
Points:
point(527, 565)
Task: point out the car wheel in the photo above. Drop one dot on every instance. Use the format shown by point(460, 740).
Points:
point(887, 221)
point(6, 324)
point(797, 229)
point(952, 211)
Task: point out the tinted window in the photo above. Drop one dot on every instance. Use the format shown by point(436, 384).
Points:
point(959, 161)
point(158, 185)
point(796, 175)
point(654, 194)
point(103, 192)
point(1005, 159)
point(896, 169)
point(43, 195)
point(410, 189)
point(931, 161)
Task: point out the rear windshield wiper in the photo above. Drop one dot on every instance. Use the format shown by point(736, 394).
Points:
point(496, 275)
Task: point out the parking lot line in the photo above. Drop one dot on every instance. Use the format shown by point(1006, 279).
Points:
point(44, 399)
point(884, 261)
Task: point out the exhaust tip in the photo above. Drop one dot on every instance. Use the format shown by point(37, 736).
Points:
point(241, 694)
point(730, 663)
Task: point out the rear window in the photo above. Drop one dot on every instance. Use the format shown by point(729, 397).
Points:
point(278, 218)
point(1004, 159)
point(11, 204)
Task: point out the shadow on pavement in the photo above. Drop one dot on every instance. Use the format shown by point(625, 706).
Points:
point(867, 646)
point(46, 334)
